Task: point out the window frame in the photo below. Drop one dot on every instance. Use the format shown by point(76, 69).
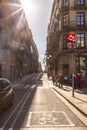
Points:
point(80, 2)
point(66, 20)
point(65, 3)
point(80, 18)
point(81, 40)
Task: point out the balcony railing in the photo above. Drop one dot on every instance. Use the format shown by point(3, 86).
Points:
point(76, 6)
point(84, 5)
point(65, 8)
point(75, 24)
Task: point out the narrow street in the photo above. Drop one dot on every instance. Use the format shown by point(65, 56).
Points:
point(37, 105)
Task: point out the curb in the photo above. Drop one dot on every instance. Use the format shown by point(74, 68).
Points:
point(71, 102)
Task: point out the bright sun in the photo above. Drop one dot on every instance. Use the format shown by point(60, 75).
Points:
point(28, 6)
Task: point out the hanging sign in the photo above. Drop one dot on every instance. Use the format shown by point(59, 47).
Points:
point(71, 40)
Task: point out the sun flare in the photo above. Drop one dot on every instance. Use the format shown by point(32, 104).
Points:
point(28, 6)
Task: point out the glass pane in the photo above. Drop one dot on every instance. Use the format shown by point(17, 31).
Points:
point(80, 2)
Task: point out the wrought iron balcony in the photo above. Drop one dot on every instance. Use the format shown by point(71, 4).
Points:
point(65, 8)
point(76, 25)
point(76, 5)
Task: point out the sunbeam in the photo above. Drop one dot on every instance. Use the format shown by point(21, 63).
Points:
point(11, 4)
point(15, 9)
point(29, 7)
point(20, 20)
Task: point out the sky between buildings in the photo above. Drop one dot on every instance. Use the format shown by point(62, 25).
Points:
point(38, 15)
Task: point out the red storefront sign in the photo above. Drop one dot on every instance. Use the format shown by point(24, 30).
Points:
point(71, 40)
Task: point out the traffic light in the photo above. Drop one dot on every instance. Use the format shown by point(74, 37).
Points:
point(25, 64)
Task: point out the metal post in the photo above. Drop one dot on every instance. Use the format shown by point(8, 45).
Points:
point(71, 44)
point(73, 75)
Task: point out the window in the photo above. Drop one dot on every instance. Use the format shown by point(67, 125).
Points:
point(65, 3)
point(65, 41)
point(81, 18)
point(81, 40)
point(80, 64)
point(80, 2)
point(65, 20)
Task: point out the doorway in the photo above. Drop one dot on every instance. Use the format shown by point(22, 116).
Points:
point(66, 70)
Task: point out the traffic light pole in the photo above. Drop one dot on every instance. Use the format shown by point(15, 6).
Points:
point(71, 44)
point(73, 75)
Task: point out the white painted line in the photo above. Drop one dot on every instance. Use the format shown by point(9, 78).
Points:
point(30, 114)
point(33, 86)
point(10, 116)
point(68, 119)
point(47, 116)
point(38, 76)
point(12, 125)
point(15, 85)
point(10, 129)
point(1, 128)
point(29, 118)
point(43, 88)
point(18, 86)
point(27, 86)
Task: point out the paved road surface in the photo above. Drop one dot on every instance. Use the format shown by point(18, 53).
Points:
point(38, 106)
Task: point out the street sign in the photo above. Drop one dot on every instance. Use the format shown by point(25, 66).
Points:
point(71, 40)
point(71, 37)
point(71, 45)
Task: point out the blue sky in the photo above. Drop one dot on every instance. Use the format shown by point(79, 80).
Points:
point(38, 14)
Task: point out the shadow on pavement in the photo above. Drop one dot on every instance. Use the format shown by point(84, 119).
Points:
point(80, 99)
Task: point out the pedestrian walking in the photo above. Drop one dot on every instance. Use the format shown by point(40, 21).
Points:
point(56, 79)
point(65, 79)
point(75, 81)
point(79, 81)
point(53, 78)
point(60, 79)
point(21, 75)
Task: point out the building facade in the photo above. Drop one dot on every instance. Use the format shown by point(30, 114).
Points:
point(18, 52)
point(67, 17)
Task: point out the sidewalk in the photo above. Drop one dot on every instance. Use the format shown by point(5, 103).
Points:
point(79, 101)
